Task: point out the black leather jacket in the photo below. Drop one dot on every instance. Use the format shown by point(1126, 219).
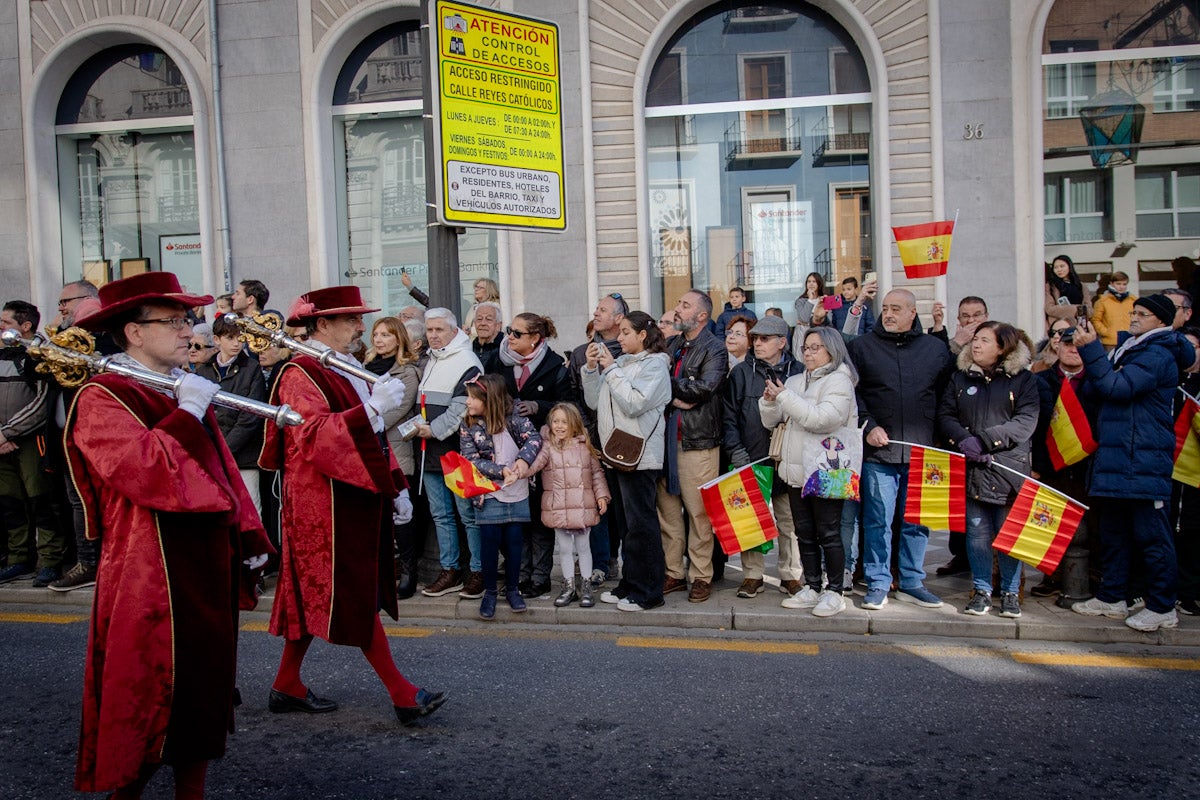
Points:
point(700, 381)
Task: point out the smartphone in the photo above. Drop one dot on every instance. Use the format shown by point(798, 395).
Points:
point(870, 276)
point(831, 301)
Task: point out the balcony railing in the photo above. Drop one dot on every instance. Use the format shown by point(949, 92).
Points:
point(757, 137)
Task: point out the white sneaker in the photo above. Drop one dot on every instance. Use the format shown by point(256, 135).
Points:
point(629, 605)
point(1136, 605)
point(1147, 620)
point(609, 597)
point(829, 604)
point(805, 598)
point(1096, 607)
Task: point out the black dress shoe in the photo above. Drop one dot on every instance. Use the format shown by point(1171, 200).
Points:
point(955, 566)
point(427, 703)
point(280, 703)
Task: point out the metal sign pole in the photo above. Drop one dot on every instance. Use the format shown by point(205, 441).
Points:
point(441, 241)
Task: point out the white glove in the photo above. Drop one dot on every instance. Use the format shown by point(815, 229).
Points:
point(387, 395)
point(403, 508)
point(255, 562)
point(194, 394)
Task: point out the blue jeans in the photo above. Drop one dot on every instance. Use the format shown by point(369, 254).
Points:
point(884, 488)
point(851, 510)
point(984, 521)
point(493, 539)
point(442, 504)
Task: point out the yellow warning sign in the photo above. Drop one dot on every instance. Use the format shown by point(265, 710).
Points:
point(498, 119)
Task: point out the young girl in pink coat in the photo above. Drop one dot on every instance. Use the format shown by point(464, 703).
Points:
point(575, 494)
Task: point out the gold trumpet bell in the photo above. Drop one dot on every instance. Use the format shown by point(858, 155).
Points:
point(67, 370)
point(259, 342)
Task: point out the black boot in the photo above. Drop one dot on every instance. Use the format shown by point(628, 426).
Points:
point(407, 559)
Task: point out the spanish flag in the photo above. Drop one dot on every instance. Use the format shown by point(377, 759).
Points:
point(1187, 445)
point(739, 506)
point(937, 490)
point(924, 249)
point(1069, 438)
point(1039, 527)
point(463, 478)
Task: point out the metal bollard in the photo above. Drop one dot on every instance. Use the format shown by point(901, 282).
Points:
point(1074, 575)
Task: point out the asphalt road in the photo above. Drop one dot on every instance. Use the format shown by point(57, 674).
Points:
point(564, 713)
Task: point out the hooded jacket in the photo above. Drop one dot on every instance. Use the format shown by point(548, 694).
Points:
point(1000, 407)
point(900, 378)
point(1135, 424)
point(572, 482)
point(632, 394)
point(242, 430)
point(444, 395)
point(743, 425)
point(822, 446)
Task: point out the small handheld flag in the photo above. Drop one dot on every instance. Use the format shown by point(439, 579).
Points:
point(738, 505)
point(924, 249)
point(1187, 445)
point(1039, 527)
point(1069, 437)
point(463, 478)
point(937, 489)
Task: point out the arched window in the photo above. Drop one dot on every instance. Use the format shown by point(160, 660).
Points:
point(758, 129)
point(379, 142)
point(127, 169)
point(1121, 156)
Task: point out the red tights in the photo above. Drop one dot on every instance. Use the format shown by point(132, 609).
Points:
point(378, 654)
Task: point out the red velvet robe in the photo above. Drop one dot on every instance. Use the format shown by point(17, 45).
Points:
point(336, 570)
point(176, 521)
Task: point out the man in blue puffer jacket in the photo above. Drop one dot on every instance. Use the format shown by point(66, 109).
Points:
point(1130, 481)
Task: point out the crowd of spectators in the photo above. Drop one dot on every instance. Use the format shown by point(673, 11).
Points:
point(828, 402)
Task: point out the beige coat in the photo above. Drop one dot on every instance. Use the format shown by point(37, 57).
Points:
point(573, 483)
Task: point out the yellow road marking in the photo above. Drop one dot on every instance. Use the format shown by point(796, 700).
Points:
point(398, 633)
point(1104, 661)
point(717, 644)
point(52, 619)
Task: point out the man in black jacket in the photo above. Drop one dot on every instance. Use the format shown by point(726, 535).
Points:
point(901, 375)
point(693, 438)
point(238, 373)
point(747, 441)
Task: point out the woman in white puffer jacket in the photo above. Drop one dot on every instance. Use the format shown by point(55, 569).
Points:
point(820, 461)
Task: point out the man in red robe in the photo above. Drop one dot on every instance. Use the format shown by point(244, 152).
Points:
point(339, 483)
point(162, 490)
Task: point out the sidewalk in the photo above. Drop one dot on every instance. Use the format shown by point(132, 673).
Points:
point(1040, 620)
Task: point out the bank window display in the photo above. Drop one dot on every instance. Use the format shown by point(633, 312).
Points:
point(1121, 94)
point(380, 160)
point(758, 123)
point(127, 169)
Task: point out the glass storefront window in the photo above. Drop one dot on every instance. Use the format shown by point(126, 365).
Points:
point(775, 182)
point(128, 197)
point(1121, 104)
point(381, 189)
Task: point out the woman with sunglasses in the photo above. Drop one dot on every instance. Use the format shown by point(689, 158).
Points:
point(202, 348)
point(536, 378)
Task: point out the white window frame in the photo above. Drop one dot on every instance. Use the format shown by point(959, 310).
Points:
point(1067, 215)
point(1174, 209)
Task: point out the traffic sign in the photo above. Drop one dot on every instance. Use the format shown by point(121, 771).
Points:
point(497, 119)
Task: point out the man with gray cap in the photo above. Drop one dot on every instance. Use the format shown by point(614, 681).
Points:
point(746, 441)
point(1130, 480)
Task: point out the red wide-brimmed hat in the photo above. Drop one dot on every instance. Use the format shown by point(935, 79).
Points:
point(327, 303)
point(121, 296)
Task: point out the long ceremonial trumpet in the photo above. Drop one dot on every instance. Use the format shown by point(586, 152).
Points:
point(265, 330)
point(70, 356)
